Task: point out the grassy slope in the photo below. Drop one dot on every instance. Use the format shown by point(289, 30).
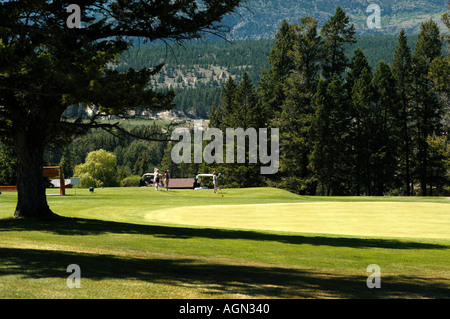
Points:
point(129, 245)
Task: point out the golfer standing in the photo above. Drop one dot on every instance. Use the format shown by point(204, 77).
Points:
point(215, 181)
point(166, 179)
point(156, 179)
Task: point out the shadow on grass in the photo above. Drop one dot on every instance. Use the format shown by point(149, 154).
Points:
point(81, 227)
point(213, 279)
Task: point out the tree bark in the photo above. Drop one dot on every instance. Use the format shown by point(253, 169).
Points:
point(32, 200)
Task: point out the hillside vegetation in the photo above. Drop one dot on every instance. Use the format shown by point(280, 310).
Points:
point(198, 70)
point(261, 19)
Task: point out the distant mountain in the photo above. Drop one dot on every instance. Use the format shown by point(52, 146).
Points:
point(258, 19)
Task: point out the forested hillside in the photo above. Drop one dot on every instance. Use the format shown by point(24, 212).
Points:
point(261, 19)
point(197, 71)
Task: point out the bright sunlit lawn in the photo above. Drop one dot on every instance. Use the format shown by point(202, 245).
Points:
point(250, 243)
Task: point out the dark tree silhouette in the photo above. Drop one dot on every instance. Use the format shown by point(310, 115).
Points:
point(47, 66)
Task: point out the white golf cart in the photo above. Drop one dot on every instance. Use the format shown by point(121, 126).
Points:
point(147, 179)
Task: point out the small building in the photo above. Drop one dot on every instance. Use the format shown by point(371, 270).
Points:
point(181, 183)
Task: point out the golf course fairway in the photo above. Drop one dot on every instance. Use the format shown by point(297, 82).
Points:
point(249, 243)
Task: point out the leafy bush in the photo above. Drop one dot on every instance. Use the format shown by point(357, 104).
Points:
point(99, 170)
point(130, 181)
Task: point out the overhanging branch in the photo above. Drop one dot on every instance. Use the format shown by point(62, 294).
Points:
point(115, 129)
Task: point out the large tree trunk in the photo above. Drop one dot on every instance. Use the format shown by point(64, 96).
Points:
point(32, 200)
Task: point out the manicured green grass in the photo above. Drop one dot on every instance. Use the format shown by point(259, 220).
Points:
point(250, 243)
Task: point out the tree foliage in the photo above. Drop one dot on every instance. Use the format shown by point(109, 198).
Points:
point(98, 170)
point(348, 128)
point(45, 67)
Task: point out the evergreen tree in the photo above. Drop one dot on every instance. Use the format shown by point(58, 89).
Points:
point(358, 64)
point(280, 58)
point(47, 66)
point(426, 109)
point(401, 70)
point(439, 168)
point(241, 110)
point(296, 116)
point(271, 91)
point(220, 116)
point(67, 163)
point(337, 33)
point(440, 75)
point(360, 97)
point(329, 159)
point(383, 131)
point(247, 112)
point(141, 165)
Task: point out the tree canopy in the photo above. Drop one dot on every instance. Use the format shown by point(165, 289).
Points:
point(348, 127)
point(46, 66)
point(98, 170)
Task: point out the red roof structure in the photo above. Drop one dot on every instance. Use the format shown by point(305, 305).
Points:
point(181, 183)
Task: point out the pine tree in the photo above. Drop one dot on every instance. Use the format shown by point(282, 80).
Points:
point(337, 33)
point(440, 75)
point(439, 158)
point(271, 86)
point(67, 163)
point(427, 111)
point(401, 70)
point(141, 165)
point(279, 58)
point(247, 112)
point(241, 109)
point(330, 126)
point(47, 67)
point(383, 131)
point(361, 99)
point(296, 116)
point(220, 116)
point(247, 115)
point(360, 96)
point(358, 64)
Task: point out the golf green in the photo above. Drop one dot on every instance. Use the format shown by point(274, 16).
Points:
point(385, 219)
